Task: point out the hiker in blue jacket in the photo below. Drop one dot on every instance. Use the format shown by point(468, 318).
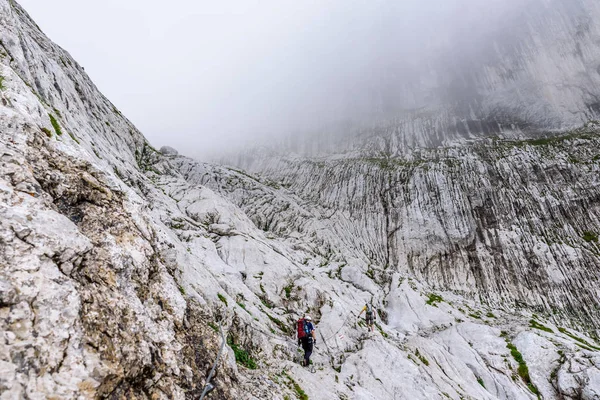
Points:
point(306, 337)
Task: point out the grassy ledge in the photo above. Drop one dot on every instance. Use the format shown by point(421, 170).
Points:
point(300, 393)
point(589, 236)
point(583, 343)
point(522, 369)
point(222, 298)
point(534, 324)
point(242, 356)
point(55, 125)
point(433, 299)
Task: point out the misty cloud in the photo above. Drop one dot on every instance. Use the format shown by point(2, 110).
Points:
point(205, 77)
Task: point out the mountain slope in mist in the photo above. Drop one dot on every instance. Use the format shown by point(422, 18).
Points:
point(442, 73)
point(119, 262)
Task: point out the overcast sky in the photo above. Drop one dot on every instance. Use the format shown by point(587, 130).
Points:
point(212, 75)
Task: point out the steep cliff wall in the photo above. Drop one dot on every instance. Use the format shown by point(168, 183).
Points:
point(509, 222)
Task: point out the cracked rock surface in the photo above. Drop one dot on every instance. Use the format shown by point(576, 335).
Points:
point(118, 262)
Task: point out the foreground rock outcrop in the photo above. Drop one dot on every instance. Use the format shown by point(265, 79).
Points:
point(119, 263)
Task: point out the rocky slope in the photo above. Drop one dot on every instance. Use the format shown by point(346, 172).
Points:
point(118, 262)
point(507, 222)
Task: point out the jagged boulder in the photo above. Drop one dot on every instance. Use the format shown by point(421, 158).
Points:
point(168, 151)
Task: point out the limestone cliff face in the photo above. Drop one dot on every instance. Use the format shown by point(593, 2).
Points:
point(118, 262)
point(509, 222)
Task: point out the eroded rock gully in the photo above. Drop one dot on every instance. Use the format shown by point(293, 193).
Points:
point(506, 221)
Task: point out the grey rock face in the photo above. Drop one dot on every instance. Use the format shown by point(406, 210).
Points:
point(117, 262)
point(169, 151)
point(511, 222)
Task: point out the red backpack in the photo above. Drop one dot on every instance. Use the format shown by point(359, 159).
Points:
point(301, 329)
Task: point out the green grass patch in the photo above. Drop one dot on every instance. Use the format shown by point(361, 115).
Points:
point(391, 163)
point(370, 273)
point(222, 298)
point(47, 132)
point(589, 236)
point(474, 315)
point(433, 299)
point(280, 324)
point(300, 393)
point(582, 132)
point(534, 324)
point(214, 326)
point(245, 174)
point(55, 125)
point(422, 358)
point(74, 138)
point(522, 369)
point(243, 306)
point(288, 290)
point(2, 87)
point(385, 335)
point(242, 356)
point(481, 382)
point(587, 345)
point(181, 290)
point(540, 142)
point(266, 302)
point(490, 315)
point(533, 389)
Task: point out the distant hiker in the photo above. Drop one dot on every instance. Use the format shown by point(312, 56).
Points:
point(369, 316)
point(306, 337)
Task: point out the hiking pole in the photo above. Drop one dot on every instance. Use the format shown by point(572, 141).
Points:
point(209, 387)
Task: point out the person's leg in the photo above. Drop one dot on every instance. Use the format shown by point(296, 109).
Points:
point(306, 356)
point(308, 353)
point(305, 348)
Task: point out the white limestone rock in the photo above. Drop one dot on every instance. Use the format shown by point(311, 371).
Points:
point(118, 261)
